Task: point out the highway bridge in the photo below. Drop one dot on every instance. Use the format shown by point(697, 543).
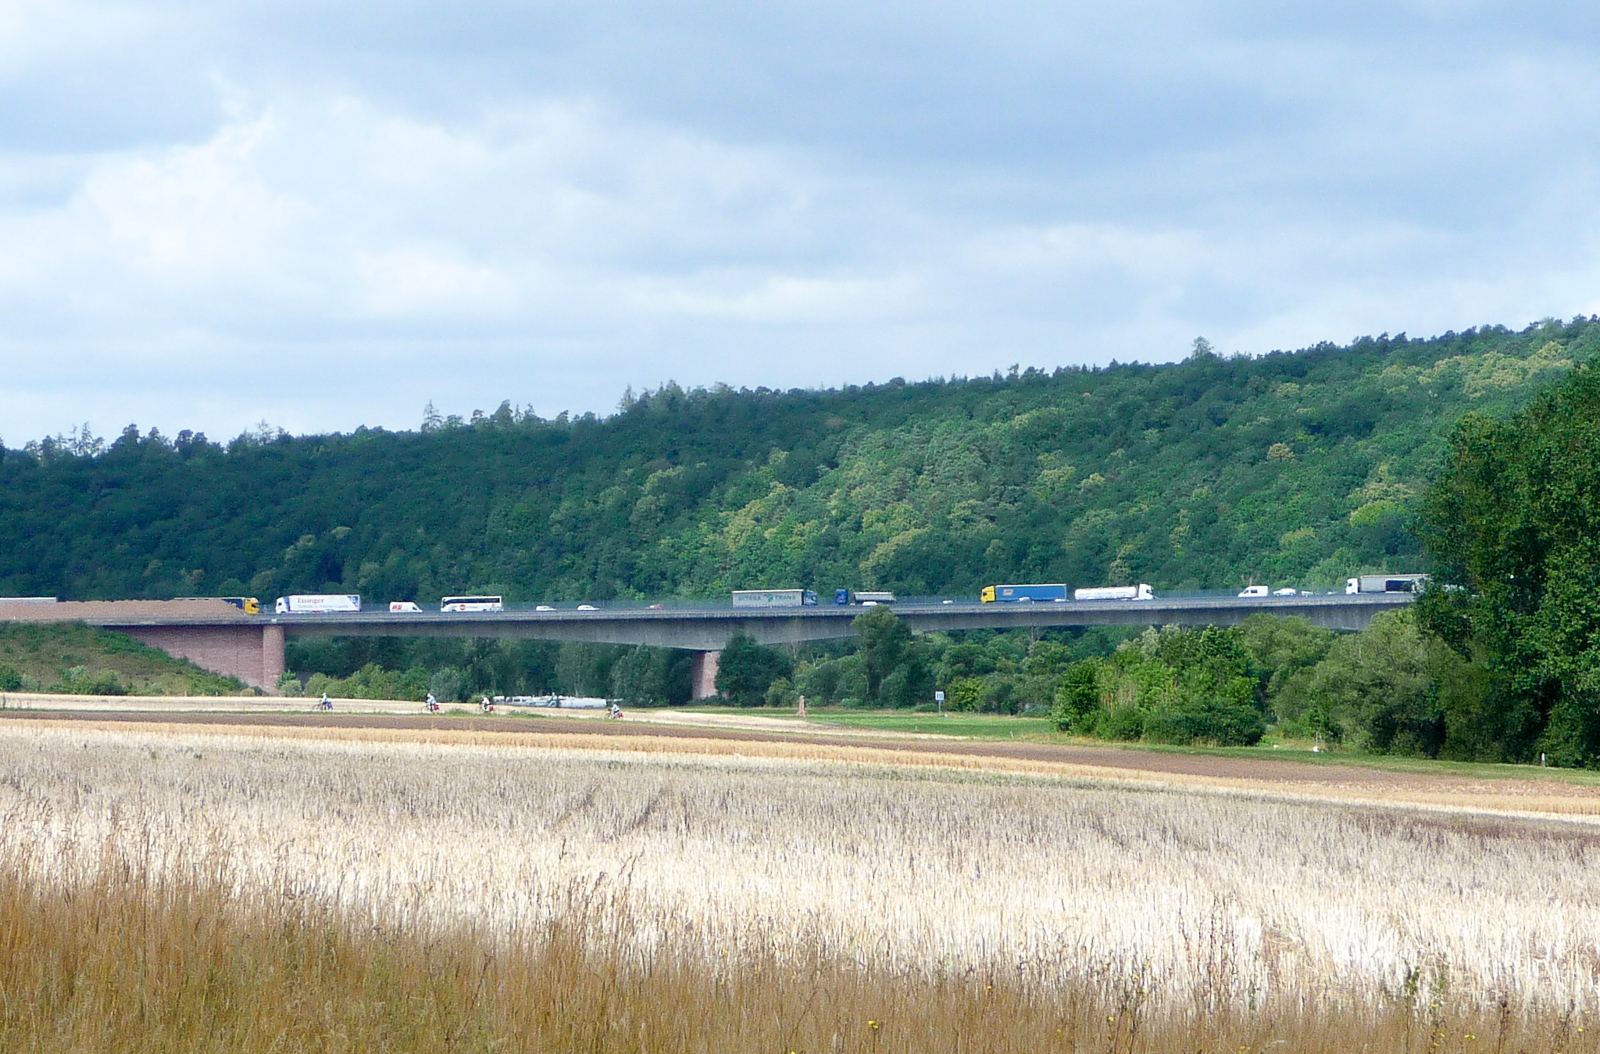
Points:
point(220, 637)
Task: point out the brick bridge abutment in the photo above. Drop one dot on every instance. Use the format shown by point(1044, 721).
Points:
point(252, 653)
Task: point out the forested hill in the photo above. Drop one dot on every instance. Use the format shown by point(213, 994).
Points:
point(1295, 468)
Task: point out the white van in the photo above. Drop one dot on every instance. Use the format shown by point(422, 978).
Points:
point(1256, 591)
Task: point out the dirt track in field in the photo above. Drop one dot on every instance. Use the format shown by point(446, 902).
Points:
point(1513, 794)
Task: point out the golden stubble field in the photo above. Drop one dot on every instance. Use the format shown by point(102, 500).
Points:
point(1184, 901)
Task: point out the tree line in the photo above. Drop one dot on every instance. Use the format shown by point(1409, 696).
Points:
point(1292, 468)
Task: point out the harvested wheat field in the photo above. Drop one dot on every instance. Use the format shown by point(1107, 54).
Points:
point(206, 887)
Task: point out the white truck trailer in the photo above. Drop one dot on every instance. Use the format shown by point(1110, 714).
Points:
point(1142, 591)
point(318, 604)
point(773, 598)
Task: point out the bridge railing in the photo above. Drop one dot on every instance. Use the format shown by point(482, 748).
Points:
point(726, 603)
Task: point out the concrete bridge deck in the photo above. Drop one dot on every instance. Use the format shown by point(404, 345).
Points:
point(708, 628)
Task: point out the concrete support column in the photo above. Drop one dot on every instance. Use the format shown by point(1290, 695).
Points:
point(271, 658)
point(705, 674)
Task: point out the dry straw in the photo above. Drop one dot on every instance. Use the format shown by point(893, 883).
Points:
point(732, 903)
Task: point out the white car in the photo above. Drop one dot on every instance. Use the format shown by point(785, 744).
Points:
point(544, 607)
point(1286, 592)
point(1256, 591)
point(587, 607)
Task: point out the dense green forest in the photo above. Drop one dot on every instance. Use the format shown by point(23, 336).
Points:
point(1475, 455)
point(1292, 468)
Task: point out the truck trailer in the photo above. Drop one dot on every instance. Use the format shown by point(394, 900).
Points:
point(1142, 591)
point(1023, 594)
point(318, 604)
point(865, 597)
point(773, 598)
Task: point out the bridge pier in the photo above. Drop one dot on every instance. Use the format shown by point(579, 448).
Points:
point(271, 658)
point(705, 674)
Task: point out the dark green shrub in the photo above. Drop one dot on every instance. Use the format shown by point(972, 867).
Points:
point(1219, 722)
point(1123, 723)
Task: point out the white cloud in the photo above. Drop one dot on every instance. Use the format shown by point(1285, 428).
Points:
point(326, 217)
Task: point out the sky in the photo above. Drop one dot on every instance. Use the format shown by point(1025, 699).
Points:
point(328, 215)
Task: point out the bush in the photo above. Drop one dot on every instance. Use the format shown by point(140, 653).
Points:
point(1123, 723)
point(1219, 722)
point(782, 694)
point(10, 679)
point(1078, 697)
point(78, 681)
point(964, 693)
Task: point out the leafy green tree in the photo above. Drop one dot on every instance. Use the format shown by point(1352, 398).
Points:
point(636, 679)
point(1169, 686)
point(1077, 700)
point(1279, 648)
point(781, 693)
point(1379, 688)
point(585, 669)
point(884, 641)
point(894, 663)
point(746, 670)
point(827, 681)
point(964, 693)
point(1513, 526)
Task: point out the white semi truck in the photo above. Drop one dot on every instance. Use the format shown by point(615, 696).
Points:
point(1386, 584)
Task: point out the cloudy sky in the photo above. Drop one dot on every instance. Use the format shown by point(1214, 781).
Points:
point(324, 215)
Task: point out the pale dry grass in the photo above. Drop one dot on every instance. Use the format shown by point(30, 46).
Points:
point(125, 961)
point(1210, 900)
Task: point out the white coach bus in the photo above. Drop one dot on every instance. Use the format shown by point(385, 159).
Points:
point(472, 604)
